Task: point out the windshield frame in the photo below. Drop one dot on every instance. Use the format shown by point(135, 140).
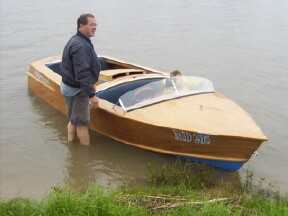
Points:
point(177, 94)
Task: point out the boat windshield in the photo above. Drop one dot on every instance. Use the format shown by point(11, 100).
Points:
point(164, 89)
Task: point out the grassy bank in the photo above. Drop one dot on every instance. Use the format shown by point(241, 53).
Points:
point(176, 189)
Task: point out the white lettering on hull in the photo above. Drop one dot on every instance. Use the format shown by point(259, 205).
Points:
point(189, 137)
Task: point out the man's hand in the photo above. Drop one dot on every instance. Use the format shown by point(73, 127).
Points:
point(93, 101)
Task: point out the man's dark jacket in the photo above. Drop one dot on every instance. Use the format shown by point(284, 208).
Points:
point(80, 66)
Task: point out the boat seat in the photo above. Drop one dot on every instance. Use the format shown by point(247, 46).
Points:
point(108, 75)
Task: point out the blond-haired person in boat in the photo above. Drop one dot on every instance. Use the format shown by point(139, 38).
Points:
point(175, 73)
point(80, 71)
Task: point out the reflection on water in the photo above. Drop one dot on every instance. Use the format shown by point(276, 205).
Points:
point(104, 162)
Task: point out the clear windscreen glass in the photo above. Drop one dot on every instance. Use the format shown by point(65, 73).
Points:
point(164, 89)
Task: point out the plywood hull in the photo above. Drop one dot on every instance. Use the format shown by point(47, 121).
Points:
point(224, 152)
point(227, 152)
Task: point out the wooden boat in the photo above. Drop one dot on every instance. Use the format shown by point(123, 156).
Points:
point(145, 108)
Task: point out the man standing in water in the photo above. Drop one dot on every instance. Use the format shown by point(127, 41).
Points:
point(80, 71)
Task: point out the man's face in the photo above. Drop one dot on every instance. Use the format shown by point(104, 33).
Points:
point(90, 28)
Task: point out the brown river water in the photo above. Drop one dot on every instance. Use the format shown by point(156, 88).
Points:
point(240, 45)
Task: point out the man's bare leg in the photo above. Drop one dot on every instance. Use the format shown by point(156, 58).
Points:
point(83, 135)
point(71, 132)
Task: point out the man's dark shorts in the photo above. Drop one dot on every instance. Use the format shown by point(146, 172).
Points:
point(78, 109)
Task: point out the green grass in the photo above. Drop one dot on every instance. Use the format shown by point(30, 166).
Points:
point(65, 202)
point(175, 189)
